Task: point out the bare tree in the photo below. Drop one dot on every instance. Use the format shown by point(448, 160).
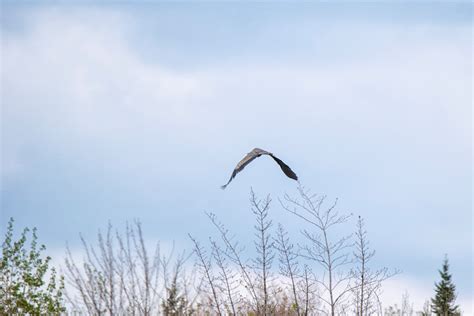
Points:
point(407, 306)
point(308, 292)
point(139, 272)
point(233, 251)
point(227, 278)
point(118, 276)
point(289, 265)
point(229, 275)
point(367, 282)
point(329, 252)
point(426, 308)
point(95, 282)
point(254, 275)
point(204, 262)
point(264, 247)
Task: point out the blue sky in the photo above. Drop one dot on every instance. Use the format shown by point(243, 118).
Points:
point(115, 112)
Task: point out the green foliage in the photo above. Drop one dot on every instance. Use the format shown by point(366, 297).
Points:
point(23, 274)
point(175, 304)
point(443, 302)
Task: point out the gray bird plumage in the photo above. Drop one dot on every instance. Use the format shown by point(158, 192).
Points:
point(255, 153)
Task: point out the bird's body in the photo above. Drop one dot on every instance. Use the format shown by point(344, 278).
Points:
point(255, 153)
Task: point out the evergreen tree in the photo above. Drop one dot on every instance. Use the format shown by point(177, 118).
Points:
point(24, 288)
point(175, 304)
point(443, 302)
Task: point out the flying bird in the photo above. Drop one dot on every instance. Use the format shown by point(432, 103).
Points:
point(255, 153)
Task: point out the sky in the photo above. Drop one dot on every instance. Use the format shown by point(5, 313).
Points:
point(139, 110)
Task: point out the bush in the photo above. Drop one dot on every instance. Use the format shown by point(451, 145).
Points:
point(23, 274)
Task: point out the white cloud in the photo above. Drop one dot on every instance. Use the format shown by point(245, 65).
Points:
point(74, 78)
point(84, 74)
point(80, 70)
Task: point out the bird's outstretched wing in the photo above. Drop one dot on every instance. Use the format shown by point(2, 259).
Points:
point(257, 152)
point(287, 170)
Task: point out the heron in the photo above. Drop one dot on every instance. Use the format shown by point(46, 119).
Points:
point(255, 153)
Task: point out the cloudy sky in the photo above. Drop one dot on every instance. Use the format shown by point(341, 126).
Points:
point(119, 111)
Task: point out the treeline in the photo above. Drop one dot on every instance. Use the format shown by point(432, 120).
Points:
point(119, 274)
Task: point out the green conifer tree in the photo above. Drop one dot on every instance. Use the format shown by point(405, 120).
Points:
point(175, 303)
point(443, 302)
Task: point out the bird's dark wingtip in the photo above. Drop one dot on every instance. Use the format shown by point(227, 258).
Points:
point(223, 187)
